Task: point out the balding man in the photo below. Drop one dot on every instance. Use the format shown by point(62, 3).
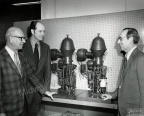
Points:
point(14, 73)
point(38, 55)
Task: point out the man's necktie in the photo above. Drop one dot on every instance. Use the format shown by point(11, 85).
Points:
point(124, 62)
point(123, 66)
point(36, 55)
point(17, 62)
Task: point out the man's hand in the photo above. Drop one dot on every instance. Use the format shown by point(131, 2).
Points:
point(2, 114)
point(48, 93)
point(106, 96)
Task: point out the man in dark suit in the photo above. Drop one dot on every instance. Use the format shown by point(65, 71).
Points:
point(42, 64)
point(14, 74)
point(130, 91)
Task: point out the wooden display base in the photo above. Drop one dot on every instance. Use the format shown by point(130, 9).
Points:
point(81, 95)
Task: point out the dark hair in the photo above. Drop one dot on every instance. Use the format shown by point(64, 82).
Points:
point(132, 32)
point(32, 26)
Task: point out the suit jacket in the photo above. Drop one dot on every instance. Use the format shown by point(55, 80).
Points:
point(131, 88)
point(43, 71)
point(13, 85)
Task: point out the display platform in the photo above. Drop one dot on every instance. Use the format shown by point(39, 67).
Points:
point(81, 104)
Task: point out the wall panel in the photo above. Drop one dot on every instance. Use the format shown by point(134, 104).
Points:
point(82, 30)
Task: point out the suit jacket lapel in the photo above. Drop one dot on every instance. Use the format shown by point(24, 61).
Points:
point(10, 61)
point(132, 56)
point(128, 64)
point(42, 57)
point(28, 51)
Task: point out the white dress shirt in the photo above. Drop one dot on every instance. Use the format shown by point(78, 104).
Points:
point(10, 52)
point(33, 46)
point(130, 52)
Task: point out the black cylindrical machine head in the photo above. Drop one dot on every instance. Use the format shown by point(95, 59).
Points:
point(67, 49)
point(98, 47)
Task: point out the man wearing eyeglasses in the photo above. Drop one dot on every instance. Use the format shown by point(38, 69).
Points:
point(38, 54)
point(130, 90)
point(14, 74)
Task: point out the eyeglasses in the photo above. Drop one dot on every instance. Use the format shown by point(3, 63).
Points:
point(121, 38)
point(22, 38)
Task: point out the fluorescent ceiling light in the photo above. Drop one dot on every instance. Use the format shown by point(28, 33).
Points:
point(26, 3)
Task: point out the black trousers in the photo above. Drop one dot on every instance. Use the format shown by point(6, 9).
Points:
point(25, 108)
point(34, 107)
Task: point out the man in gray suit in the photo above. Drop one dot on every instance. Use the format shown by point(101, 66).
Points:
point(41, 61)
point(15, 71)
point(130, 91)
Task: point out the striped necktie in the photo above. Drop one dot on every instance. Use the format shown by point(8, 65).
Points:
point(17, 62)
point(123, 66)
point(124, 62)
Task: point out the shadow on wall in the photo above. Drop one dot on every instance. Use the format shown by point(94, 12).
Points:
point(118, 49)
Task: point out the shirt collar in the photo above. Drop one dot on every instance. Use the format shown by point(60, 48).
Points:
point(130, 52)
point(33, 43)
point(10, 51)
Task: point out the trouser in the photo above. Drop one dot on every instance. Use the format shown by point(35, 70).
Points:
point(25, 108)
point(34, 108)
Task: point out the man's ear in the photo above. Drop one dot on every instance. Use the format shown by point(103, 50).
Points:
point(32, 31)
point(11, 39)
point(131, 39)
